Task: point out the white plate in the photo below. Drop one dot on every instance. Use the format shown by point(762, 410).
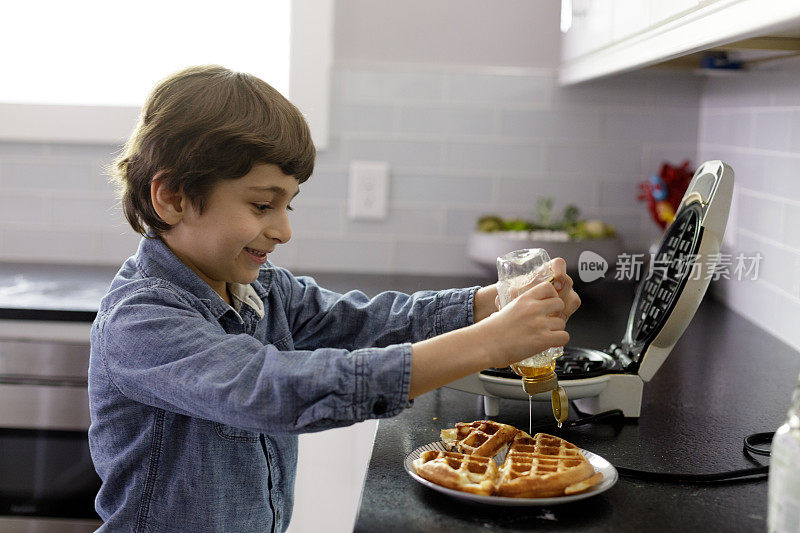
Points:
point(610, 477)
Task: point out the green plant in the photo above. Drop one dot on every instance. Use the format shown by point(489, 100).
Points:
point(570, 222)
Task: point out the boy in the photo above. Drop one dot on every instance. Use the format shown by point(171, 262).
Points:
point(207, 361)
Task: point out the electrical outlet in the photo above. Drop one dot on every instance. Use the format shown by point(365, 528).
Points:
point(368, 190)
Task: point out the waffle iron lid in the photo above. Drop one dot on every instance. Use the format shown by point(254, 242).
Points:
point(673, 269)
point(665, 279)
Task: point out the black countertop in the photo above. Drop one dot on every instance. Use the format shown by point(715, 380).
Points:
point(725, 379)
point(70, 293)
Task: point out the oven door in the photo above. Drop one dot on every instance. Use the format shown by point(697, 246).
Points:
point(47, 480)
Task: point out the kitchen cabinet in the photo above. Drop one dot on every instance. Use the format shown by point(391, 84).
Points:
point(604, 37)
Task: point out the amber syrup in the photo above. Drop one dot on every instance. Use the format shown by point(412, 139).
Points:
point(534, 372)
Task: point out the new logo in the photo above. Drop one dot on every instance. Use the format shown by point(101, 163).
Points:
point(591, 266)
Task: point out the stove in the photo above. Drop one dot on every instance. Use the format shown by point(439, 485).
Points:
point(665, 302)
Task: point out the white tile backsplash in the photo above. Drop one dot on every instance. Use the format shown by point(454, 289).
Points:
point(751, 122)
point(791, 229)
point(460, 142)
point(433, 256)
point(401, 222)
point(771, 130)
point(343, 254)
point(440, 191)
point(520, 192)
point(661, 125)
point(447, 121)
point(494, 89)
point(397, 152)
point(18, 148)
point(552, 124)
point(365, 85)
point(595, 161)
point(22, 209)
point(47, 173)
point(86, 213)
point(346, 118)
point(494, 156)
point(50, 245)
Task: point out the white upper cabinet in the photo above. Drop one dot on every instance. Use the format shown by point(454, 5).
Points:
point(590, 27)
point(603, 37)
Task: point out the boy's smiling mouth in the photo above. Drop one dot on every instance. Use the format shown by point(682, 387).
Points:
point(256, 255)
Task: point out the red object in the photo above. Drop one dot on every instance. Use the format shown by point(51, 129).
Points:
point(676, 180)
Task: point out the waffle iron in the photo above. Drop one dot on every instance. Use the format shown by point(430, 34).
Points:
point(664, 304)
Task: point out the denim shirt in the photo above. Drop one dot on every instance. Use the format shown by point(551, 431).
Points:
point(196, 405)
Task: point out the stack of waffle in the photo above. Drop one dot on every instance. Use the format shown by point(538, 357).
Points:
point(534, 467)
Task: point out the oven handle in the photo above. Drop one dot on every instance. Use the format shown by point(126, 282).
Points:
point(50, 381)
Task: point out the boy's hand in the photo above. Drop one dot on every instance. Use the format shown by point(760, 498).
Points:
point(563, 284)
point(529, 324)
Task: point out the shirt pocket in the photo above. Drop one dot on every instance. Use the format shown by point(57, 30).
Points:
point(235, 434)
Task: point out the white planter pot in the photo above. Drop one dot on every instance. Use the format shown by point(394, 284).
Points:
point(485, 248)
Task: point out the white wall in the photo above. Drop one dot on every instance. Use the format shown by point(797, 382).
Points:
point(460, 99)
point(752, 121)
point(519, 33)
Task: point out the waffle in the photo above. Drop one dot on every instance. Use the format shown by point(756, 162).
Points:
point(542, 466)
point(467, 473)
point(483, 437)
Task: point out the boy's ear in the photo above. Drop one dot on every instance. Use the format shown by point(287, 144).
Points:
point(169, 204)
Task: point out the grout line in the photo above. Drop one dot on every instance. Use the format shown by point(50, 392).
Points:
point(747, 150)
point(767, 196)
point(738, 110)
point(769, 241)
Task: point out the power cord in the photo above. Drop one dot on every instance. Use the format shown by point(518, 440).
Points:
point(753, 444)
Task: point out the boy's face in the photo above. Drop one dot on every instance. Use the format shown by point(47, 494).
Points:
point(242, 221)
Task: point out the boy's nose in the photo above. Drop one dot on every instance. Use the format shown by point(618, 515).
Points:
point(280, 230)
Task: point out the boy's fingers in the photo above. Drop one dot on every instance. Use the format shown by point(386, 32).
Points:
point(559, 338)
point(556, 323)
point(563, 285)
point(559, 267)
point(572, 304)
point(553, 306)
point(543, 290)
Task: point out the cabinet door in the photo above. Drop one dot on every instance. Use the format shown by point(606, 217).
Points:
point(590, 29)
point(660, 10)
point(630, 17)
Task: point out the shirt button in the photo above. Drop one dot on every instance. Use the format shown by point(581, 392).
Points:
point(380, 406)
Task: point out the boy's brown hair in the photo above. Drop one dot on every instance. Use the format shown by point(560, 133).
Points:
point(202, 125)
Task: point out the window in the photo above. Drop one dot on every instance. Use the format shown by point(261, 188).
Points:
point(81, 70)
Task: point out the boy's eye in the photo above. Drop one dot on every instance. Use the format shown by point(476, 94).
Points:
point(264, 207)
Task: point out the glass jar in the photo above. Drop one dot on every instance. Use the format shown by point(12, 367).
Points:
point(783, 513)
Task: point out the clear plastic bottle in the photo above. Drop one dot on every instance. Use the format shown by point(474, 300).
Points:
point(518, 270)
point(783, 514)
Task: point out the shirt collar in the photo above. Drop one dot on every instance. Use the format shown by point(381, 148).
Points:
point(155, 259)
point(247, 295)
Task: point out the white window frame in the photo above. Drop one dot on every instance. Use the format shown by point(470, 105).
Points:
point(311, 54)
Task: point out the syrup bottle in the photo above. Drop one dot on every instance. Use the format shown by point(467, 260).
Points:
point(517, 271)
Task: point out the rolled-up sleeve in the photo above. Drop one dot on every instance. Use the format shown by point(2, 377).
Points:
point(159, 350)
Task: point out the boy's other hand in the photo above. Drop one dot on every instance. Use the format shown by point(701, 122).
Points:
point(529, 324)
point(563, 284)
